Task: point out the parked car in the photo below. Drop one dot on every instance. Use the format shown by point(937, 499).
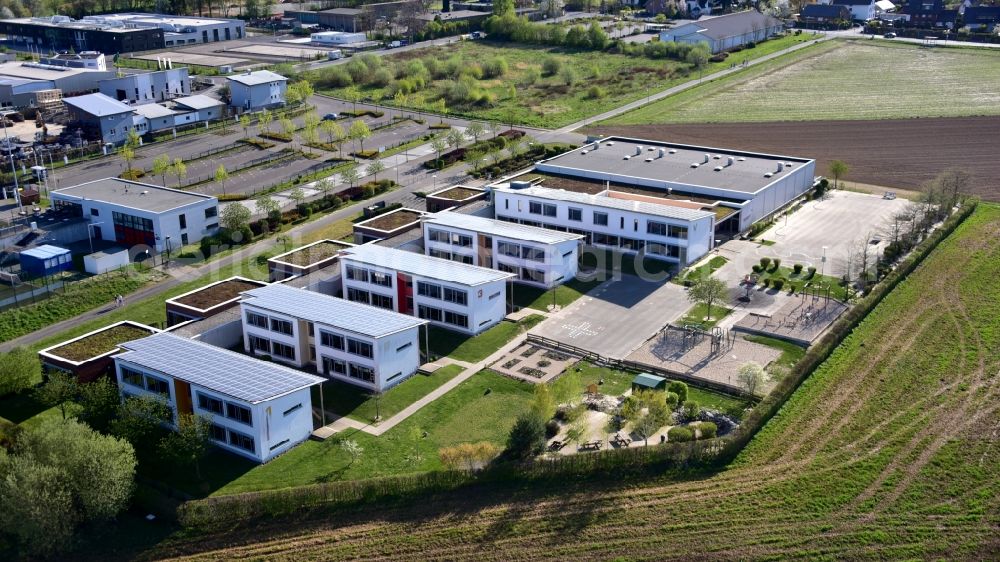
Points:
point(890, 35)
point(330, 117)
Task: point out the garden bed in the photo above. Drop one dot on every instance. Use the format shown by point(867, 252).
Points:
point(314, 253)
point(99, 343)
point(259, 143)
point(216, 294)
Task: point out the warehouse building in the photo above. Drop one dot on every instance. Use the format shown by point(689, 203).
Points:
point(133, 213)
point(30, 84)
point(360, 344)
point(257, 409)
point(740, 187)
point(461, 297)
point(537, 256)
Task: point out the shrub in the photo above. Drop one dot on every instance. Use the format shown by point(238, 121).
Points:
point(596, 92)
point(132, 174)
point(764, 263)
point(757, 269)
point(494, 68)
point(551, 429)
point(778, 283)
point(812, 272)
point(766, 283)
point(691, 409)
point(672, 400)
point(707, 430)
point(775, 264)
point(551, 66)
point(680, 434)
point(797, 268)
point(679, 388)
point(527, 437)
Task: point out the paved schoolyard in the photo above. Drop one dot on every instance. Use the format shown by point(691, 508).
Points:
point(617, 316)
point(837, 222)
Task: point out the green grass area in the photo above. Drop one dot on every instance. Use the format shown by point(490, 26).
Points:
point(480, 409)
point(541, 299)
point(476, 348)
point(523, 94)
point(790, 352)
point(910, 82)
point(701, 315)
point(704, 270)
point(802, 280)
point(359, 404)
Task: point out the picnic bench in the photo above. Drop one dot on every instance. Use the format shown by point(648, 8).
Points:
point(556, 445)
point(591, 445)
point(620, 440)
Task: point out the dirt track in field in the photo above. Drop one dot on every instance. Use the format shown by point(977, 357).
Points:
point(894, 153)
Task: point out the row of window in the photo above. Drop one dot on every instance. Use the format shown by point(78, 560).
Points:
point(447, 294)
point(230, 410)
point(144, 381)
point(374, 299)
point(353, 370)
point(268, 347)
point(350, 345)
point(368, 276)
point(461, 258)
point(600, 218)
point(631, 244)
point(274, 324)
point(521, 251)
point(453, 238)
point(446, 316)
point(234, 438)
point(131, 221)
point(528, 274)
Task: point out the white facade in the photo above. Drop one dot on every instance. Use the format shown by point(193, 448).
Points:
point(119, 210)
point(425, 287)
point(337, 38)
point(659, 231)
point(148, 87)
point(177, 30)
point(258, 90)
point(725, 32)
point(538, 257)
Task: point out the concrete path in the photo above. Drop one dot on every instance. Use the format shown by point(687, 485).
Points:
point(685, 86)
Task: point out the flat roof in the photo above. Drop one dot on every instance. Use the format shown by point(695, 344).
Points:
point(81, 343)
point(257, 77)
point(457, 193)
point(746, 174)
point(316, 252)
point(39, 71)
point(197, 101)
point(44, 251)
point(132, 194)
point(153, 110)
point(98, 105)
point(504, 229)
point(233, 374)
point(407, 215)
point(331, 311)
point(645, 207)
point(215, 294)
point(424, 266)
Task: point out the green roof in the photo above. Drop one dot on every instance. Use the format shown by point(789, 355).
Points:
point(649, 381)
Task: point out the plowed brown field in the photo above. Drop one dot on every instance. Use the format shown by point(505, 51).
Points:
point(893, 153)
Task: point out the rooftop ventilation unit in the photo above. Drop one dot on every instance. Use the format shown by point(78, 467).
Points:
point(707, 158)
point(520, 184)
point(661, 153)
point(638, 150)
point(627, 157)
point(767, 175)
point(741, 159)
point(609, 143)
point(673, 151)
point(695, 165)
point(584, 151)
point(717, 157)
point(651, 149)
point(718, 168)
point(780, 168)
point(729, 161)
point(596, 146)
point(144, 192)
point(650, 159)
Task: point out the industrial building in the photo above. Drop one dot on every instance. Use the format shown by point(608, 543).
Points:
point(725, 32)
point(254, 91)
point(148, 87)
point(133, 213)
point(257, 409)
point(118, 33)
point(106, 118)
point(91, 60)
point(30, 84)
point(461, 297)
point(356, 343)
point(337, 38)
point(537, 256)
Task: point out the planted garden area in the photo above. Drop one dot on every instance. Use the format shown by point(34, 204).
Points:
point(771, 274)
point(99, 343)
point(887, 450)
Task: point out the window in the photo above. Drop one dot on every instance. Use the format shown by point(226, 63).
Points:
point(132, 377)
point(463, 259)
point(600, 219)
point(184, 239)
point(292, 409)
point(549, 210)
point(381, 279)
point(605, 239)
point(334, 366)
point(428, 290)
point(282, 442)
point(429, 313)
point(258, 320)
point(357, 274)
point(95, 213)
point(439, 254)
point(456, 319)
point(239, 413)
point(677, 232)
point(282, 350)
point(533, 254)
point(211, 212)
point(360, 372)
point(456, 296)
point(508, 249)
point(657, 228)
point(217, 433)
point(404, 346)
point(506, 268)
point(621, 223)
point(244, 442)
point(357, 295)
point(157, 385)
point(533, 275)
point(436, 235)
point(359, 348)
point(210, 404)
point(461, 240)
point(495, 295)
point(183, 220)
point(260, 344)
point(667, 250)
point(382, 301)
point(535, 208)
point(335, 341)
point(575, 214)
point(281, 326)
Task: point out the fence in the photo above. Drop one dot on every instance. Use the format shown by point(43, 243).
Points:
point(271, 158)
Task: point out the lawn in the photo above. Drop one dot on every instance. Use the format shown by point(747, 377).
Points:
point(541, 299)
point(790, 352)
point(476, 348)
point(702, 316)
point(523, 94)
point(480, 409)
point(854, 79)
point(357, 403)
point(704, 270)
point(803, 280)
point(887, 451)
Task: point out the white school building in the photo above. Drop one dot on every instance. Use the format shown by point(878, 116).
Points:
point(461, 297)
point(366, 346)
point(257, 409)
point(537, 256)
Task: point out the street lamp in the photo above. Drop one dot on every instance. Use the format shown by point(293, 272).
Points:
point(435, 181)
point(167, 263)
point(89, 238)
point(13, 168)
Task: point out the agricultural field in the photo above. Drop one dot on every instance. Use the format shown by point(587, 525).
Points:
point(854, 80)
point(888, 451)
point(529, 85)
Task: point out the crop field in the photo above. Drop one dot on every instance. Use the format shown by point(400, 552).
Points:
point(888, 451)
point(535, 86)
point(854, 80)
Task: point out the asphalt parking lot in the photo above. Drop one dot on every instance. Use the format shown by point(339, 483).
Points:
point(841, 220)
point(617, 316)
